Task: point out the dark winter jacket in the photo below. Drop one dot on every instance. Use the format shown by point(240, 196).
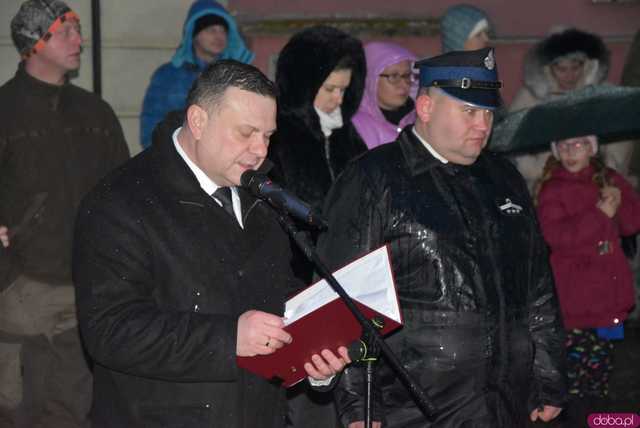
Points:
point(171, 82)
point(162, 275)
point(594, 289)
point(482, 332)
point(305, 162)
point(56, 142)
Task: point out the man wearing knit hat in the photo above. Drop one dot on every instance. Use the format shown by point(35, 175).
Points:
point(482, 331)
point(56, 141)
point(209, 34)
point(464, 27)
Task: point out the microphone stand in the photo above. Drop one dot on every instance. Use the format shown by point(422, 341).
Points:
point(369, 331)
point(369, 353)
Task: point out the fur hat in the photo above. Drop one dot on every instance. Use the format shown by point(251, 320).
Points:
point(570, 42)
point(307, 60)
point(35, 21)
point(459, 23)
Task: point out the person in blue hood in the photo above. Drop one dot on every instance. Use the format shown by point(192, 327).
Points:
point(210, 33)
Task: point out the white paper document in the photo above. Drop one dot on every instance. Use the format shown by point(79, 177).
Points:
point(369, 280)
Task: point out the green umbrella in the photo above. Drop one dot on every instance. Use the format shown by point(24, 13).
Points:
point(610, 112)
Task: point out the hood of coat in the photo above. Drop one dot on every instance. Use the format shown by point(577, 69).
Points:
point(537, 72)
point(380, 55)
point(459, 23)
point(236, 48)
point(304, 64)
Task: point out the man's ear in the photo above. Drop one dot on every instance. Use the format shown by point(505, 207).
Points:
point(424, 106)
point(197, 119)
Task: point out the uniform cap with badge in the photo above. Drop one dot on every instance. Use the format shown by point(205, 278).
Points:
point(469, 76)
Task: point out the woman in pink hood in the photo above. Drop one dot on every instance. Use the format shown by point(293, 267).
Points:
point(387, 104)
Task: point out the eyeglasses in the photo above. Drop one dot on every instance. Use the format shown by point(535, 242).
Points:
point(395, 78)
point(575, 146)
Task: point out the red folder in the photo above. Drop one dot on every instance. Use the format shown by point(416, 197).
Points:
point(327, 327)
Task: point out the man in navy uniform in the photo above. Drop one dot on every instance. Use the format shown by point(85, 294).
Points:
point(482, 332)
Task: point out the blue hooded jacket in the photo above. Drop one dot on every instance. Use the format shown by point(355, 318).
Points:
point(171, 82)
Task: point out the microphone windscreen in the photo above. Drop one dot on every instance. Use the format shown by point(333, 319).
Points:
point(265, 167)
point(249, 176)
point(253, 180)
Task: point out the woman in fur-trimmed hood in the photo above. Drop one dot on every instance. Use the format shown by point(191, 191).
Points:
point(311, 146)
point(320, 76)
point(562, 62)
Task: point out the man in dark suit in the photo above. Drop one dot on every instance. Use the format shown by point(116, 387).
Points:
point(178, 270)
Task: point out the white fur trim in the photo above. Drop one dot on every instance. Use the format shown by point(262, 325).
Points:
point(482, 25)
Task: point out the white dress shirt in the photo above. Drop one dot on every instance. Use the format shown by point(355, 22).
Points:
point(206, 183)
point(428, 147)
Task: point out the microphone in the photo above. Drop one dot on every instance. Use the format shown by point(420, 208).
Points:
point(262, 187)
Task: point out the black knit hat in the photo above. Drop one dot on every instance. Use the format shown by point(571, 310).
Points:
point(207, 21)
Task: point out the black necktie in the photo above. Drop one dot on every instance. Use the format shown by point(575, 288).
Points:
point(223, 194)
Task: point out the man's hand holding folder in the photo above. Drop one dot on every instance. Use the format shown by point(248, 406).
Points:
point(261, 333)
point(317, 322)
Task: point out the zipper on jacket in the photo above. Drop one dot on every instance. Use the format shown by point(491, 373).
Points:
point(327, 155)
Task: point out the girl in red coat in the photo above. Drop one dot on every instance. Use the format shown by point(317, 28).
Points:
point(584, 208)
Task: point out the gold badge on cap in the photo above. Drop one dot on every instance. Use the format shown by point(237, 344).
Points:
point(490, 61)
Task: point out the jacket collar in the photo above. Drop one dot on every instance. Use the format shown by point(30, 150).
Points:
point(416, 155)
point(170, 170)
point(39, 90)
point(173, 174)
